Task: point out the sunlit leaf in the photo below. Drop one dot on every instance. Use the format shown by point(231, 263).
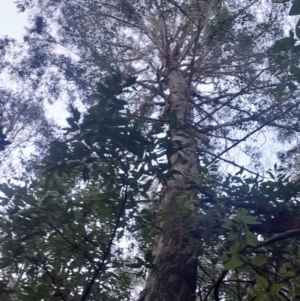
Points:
point(275, 288)
point(262, 282)
point(233, 263)
point(259, 260)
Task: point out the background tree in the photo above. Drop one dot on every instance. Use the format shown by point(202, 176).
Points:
point(22, 112)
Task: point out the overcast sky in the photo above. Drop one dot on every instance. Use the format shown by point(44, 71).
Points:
point(11, 21)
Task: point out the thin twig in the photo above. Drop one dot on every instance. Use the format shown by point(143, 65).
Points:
point(255, 130)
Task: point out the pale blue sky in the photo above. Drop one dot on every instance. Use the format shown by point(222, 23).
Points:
point(11, 21)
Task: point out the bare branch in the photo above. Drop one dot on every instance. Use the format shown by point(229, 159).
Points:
point(279, 237)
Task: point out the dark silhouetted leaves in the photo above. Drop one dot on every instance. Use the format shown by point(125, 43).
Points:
point(295, 9)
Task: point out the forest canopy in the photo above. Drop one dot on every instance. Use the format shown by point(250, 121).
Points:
point(143, 196)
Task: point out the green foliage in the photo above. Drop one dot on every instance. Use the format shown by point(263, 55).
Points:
point(262, 282)
point(284, 44)
point(234, 263)
point(259, 260)
point(297, 30)
point(295, 71)
point(64, 227)
point(3, 141)
point(295, 9)
point(221, 26)
point(253, 211)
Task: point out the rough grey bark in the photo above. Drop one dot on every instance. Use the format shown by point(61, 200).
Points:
point(175, 278)
point(176, 275)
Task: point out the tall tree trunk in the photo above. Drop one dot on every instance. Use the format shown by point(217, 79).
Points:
point(175, 277)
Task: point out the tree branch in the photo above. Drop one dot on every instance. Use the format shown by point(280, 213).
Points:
point(279, 237)
point(87, 290)
point(256, 130)
point(231, 162)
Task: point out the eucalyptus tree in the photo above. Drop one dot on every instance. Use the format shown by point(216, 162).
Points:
point(213, 73)
point(22, 112)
